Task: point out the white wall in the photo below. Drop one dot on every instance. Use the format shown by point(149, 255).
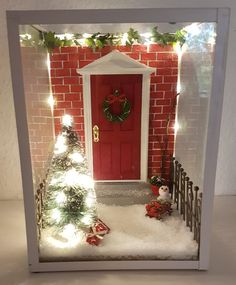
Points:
point(10, 179)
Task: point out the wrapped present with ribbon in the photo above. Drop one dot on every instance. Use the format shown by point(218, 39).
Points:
point(94, 239)
point(97, 232)
point(100, 228)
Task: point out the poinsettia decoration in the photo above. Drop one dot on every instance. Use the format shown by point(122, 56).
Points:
point(158, 209)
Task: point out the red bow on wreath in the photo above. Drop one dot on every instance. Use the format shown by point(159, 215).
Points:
point(116, 97)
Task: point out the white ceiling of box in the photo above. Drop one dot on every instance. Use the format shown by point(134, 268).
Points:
point(113, 28)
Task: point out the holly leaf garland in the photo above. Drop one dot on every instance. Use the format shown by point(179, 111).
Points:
point(180, 36)
point(133, 37)
point(168, 38)
point(51, 41)
point(100, 40)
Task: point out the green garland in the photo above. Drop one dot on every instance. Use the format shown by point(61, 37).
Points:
point(99, 40)
point(167, 38)
point(116, 118)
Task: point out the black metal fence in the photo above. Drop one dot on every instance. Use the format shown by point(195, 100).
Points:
point(188, 198)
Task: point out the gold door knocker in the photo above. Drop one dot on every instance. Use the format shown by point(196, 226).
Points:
point(95, 133)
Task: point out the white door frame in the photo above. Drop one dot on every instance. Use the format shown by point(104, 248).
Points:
point(133, 67)
point(152, 15)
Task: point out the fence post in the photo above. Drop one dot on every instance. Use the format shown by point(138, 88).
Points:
point(195, 213)
point(186, 197)
point(191, 206)
point(182, 191)
point(199, 208)
point(172, 177)
point(187, 202)
point(177, 182)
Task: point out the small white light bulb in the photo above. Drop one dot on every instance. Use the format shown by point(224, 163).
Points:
point(124, 39)
point(26, 36)
point(178, 87)
point(177, 49)
point(69, 231)
point(76, 157)
point(60, 145)
point(146, 35)
point(176, 127)
point(87, 220)
point(67, 121)
point(60, 198)
point(85, 181)
point(69, 36)
point(56, 215)
point(85, 35)
point(51, 102)
point(54, 181)
point(71, 177)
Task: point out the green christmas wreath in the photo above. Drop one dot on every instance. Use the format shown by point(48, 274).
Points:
point(125, 107)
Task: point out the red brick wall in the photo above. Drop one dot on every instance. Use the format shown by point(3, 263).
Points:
point(67, 89)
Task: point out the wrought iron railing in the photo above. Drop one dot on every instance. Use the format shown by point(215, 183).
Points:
point(188, 198)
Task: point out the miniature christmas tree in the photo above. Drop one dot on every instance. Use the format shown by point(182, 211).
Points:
point(70, 201)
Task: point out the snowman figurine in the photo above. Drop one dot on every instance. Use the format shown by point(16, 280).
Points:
point(164, 194)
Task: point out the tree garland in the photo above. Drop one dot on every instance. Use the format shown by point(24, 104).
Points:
point(99, 40)
point(116, 97)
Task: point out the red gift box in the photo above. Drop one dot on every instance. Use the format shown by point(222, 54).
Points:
point(94, 239)
point(100, 228)
point(97, 231)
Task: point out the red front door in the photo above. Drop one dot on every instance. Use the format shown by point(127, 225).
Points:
point(116, 156)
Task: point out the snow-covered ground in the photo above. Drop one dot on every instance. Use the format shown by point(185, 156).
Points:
point(133, 236)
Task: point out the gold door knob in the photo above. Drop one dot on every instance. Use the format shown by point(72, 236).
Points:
point(95, 133)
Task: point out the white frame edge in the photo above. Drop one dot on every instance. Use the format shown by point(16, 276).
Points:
point(16, 18)
point(213, 133)
point(23, 139)
point(114, 265)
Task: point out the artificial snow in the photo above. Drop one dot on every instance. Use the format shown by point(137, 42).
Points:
point(133, 236)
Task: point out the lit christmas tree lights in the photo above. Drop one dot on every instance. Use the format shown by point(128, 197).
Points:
point(70, 201)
